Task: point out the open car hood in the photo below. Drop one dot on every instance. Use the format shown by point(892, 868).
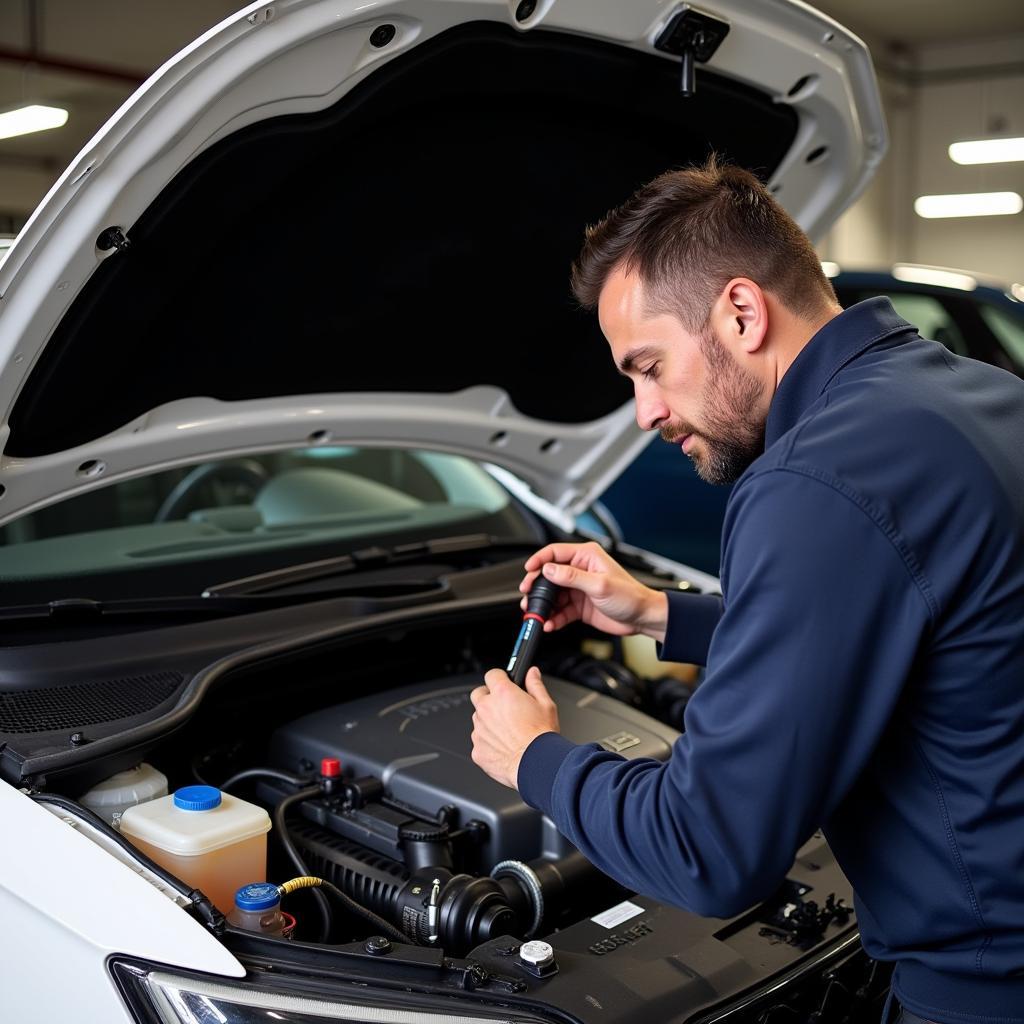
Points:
point(331, 221)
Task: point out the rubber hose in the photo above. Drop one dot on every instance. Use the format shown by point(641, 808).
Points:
point(280, 810)
point(314, 883)
point(259, 773)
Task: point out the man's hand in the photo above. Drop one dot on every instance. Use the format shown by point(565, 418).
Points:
point(597, 590)
point(507, 720)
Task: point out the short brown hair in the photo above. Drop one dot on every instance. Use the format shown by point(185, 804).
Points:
point(688, 233)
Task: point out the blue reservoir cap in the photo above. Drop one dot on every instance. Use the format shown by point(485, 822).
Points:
point(197, 798)
point(257, 896)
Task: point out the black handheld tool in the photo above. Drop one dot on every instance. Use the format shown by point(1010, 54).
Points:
point(539, 603)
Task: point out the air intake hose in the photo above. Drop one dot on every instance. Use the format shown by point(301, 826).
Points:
point(433, 906)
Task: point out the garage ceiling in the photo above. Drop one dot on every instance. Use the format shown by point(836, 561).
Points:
point(89, 57)
point(914, 22)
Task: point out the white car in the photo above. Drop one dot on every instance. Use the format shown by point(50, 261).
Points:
point(263, 512)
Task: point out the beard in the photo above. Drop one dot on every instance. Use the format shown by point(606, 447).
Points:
point(733, 429)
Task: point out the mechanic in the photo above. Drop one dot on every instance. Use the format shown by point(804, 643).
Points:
point(865, 664)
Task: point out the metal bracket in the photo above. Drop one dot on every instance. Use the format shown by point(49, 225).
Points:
point(694, 36)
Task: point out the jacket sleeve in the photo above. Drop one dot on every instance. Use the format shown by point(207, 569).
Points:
point(692, 620)
point(823, 616)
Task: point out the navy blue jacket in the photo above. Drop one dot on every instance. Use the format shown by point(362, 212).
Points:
point(865, 674)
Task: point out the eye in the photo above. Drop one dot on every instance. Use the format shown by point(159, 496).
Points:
point(651, 373)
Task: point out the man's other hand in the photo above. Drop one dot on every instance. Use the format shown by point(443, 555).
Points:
point(507, 720)
point(596, 590)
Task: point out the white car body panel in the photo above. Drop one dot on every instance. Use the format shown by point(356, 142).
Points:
point(67, 905)
point(464, 424)
point(297, 56)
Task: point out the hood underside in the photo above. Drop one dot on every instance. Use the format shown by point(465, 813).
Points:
point(414, 237)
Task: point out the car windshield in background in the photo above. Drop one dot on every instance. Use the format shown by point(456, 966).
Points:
point(1008, 329)
point(331, 499)
point(982, 322)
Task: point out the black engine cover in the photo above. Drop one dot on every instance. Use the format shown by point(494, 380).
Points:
point(417, 741)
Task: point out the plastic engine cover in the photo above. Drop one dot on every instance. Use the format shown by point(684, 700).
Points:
point(417, 741)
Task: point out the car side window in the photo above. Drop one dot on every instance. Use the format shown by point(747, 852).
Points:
point(932, 319)
point(1009, 331)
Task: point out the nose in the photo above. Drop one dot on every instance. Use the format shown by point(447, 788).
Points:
point(651, 412)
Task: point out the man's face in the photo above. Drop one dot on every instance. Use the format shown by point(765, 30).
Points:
point(689, 387)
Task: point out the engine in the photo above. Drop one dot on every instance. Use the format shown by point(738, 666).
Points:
point(408, 826)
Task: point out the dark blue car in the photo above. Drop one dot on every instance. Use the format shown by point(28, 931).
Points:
point(661, 504)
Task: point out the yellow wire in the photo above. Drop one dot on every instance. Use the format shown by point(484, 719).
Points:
point(302, 882)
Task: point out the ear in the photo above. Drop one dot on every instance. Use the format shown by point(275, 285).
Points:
point(741, 315)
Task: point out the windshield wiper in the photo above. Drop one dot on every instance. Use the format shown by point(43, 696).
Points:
point(262, 591)
point(80, 611)
point(358, 561)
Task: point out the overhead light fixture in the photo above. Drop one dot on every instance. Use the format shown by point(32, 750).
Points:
point(34, 118)
point(969, 204)
point(987, 151)
point(915, 273)
point(829, 269)
point(1017, 292)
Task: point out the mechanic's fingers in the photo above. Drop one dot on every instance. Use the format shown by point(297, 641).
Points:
point(557, 553)
point(478, 694)
point(568, 608)
point(562, 600)
point(536, 689)
point(528, 581)
point(561, 618)
point(526, 586)
point(495, 679)
point(593, 584)
point(538, 558)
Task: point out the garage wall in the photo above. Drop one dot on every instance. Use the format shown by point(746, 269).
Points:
point(875, 230)
point(970, 92)
point(935, 95)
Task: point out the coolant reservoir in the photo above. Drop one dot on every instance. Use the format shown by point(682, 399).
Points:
point(112, 797)
point(258, 909)
point(209, 839)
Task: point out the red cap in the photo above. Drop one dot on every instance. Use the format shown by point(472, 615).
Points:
point(330, 767)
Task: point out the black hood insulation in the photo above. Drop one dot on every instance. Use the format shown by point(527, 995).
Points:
point(415, 237)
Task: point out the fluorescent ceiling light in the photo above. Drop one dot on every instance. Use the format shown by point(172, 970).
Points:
point(987, 151)
point(969, 204)
point(31, 119)
point(830, 269)
point(916, 274)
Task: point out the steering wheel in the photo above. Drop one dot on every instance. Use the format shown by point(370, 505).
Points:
point(246, 472)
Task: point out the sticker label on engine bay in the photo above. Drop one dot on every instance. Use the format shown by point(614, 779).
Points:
point(614, 916)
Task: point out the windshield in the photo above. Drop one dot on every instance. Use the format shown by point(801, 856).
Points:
point(1008, 329)
point(165, 530)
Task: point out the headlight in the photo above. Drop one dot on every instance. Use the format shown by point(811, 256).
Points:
point(156, 995)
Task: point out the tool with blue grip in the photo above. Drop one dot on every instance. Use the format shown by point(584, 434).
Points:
point(539, 603)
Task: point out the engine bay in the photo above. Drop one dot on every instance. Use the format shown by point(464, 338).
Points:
point(386, 841)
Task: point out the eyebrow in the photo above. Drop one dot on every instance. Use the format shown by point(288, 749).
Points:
point(628, 362)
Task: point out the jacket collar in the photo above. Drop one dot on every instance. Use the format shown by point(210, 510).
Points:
point(841, 340)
